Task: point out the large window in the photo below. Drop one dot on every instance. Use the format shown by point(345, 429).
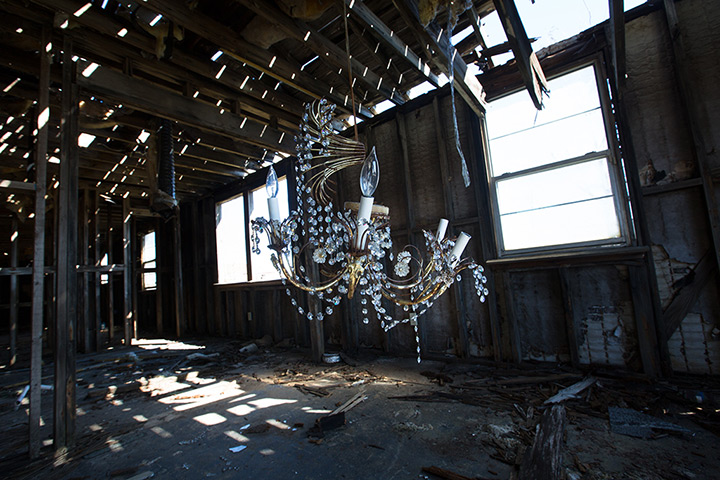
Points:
point(553, 176)
point(234, 263)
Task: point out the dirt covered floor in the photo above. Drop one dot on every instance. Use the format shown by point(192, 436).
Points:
point(213, 409)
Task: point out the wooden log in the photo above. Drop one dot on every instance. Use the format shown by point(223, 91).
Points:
point(543, 461)
point(97, 252)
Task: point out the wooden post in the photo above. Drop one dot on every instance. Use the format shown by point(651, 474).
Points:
point(544, 460)
point(127, 272)
point(158, 283)
point(85, 330)
point(179, 291)
point(67, 277)
point(42, 125)
point(14, 233)
point(110, 284)
point(98, 276)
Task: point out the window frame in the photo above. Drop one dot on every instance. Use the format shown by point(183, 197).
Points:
point(612, 157)
point(285, 169)
point(144, 269)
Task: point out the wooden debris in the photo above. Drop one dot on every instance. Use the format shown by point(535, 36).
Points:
point(317, 391)
point(354, 401)
point(571, 391)
point(447, 474)
point(543, 461)
point(327, 423)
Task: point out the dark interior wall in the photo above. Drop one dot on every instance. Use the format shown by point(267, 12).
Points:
point(662, 117)
point(582, 311)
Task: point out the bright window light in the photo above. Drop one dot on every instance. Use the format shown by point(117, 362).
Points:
point(155, 20)
point(551, 170)
point(217, 55)
point(148, 258)
point(142, 138)
point(420, 89)
point(85, 139)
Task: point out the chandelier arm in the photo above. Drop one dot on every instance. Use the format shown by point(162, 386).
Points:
point(320, 288)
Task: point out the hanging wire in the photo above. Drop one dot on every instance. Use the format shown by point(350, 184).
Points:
point(451, 73)
point(350, 79)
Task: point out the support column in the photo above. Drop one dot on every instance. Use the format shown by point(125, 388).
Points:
point(43, 117)
point(67, 277)
point(179, 291)
point(14, 233)
point(127, 273)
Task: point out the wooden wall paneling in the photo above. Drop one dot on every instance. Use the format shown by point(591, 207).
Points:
point(67, 283)
point(401, 126)
point(136, 285)
point(457, 297)
point(570, 318)
point(38, 278)
point(477, 165)
point(643, 310)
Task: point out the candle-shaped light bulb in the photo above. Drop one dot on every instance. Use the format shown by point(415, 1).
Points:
point(460, 244)
point(370, 174)
point(271, 187)
point(271, 183)
point(442, 228)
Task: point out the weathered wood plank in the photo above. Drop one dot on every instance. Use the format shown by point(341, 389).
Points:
point(544, 460)
point(14, 240)
point(38, 278)
point(466, 84)
point(390, 38)
point(526, 60)
point(14, 186)
point(67, 278)
point(570, 323)
point(129, 320)
point(178, 285)
point(325, 49)
point(150, 98)
point(684, 300)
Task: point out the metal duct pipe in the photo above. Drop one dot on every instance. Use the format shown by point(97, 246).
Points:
point(166, 160)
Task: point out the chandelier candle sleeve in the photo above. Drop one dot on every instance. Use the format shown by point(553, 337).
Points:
point(271, 187)
point(369, 178)
point(460, 244)
point(442, 228)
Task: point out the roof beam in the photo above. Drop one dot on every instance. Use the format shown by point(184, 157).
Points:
point(324, 48)
point(387, 36)
point(258, 58)
point(465, 83)
point(150, 98)
point(528, 63)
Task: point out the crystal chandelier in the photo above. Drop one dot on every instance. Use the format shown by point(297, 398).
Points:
point(330, 254)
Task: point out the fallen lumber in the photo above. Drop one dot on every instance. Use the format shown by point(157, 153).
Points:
point(544, 460)
point(571, 391)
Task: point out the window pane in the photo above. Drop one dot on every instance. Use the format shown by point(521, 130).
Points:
point(584, 181)
point(564, 224)
point(561, 140)
point(262, 268)
point(148, 253)
point(570, 94)
point(231, 248)
point(149, 280)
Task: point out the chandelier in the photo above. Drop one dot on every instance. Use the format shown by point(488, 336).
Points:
point(330, 254)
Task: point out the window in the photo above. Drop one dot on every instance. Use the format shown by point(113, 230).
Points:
point(552, 172)
point(234, 263)
point(148, 257)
